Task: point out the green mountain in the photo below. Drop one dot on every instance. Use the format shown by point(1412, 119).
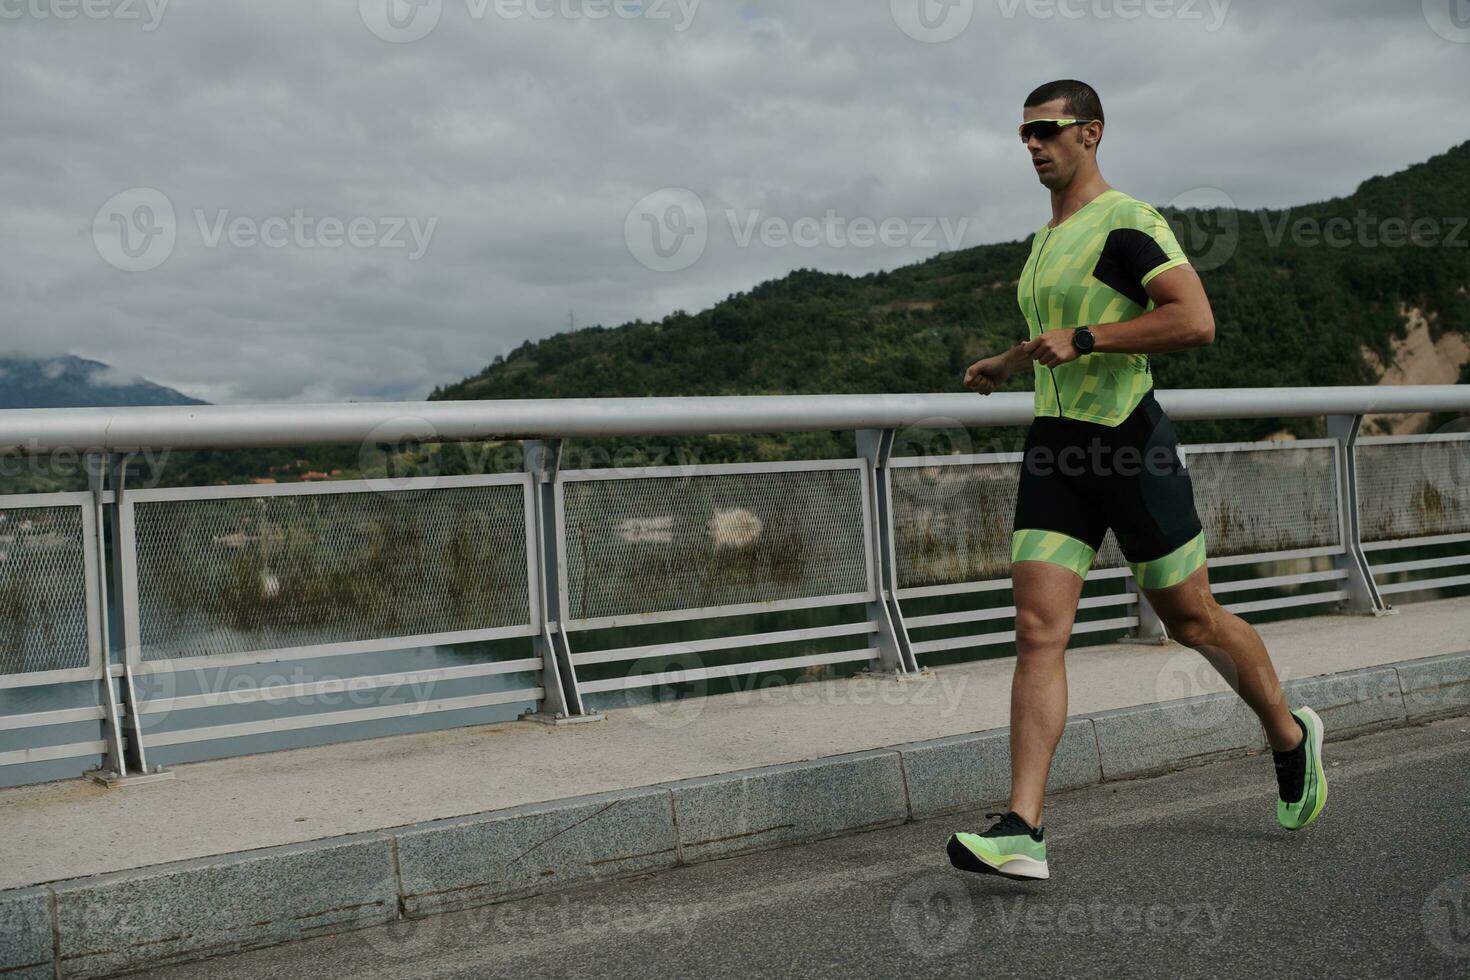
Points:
point(1300, 296)
point(74, 382)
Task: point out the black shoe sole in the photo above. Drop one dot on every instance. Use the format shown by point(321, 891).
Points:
point(962, 858)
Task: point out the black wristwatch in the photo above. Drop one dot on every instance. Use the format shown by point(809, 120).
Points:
point(1083, 340)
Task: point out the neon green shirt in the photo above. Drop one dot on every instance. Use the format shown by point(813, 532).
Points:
point(1092, 269)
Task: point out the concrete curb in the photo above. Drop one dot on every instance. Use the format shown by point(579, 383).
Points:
point(148, 917)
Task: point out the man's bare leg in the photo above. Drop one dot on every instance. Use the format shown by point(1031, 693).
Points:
point(1046, 606)
point(1233, 647)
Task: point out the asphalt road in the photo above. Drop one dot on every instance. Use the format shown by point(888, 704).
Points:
point(1178, 876)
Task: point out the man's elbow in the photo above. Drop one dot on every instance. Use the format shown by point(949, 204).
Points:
point(1204, 329)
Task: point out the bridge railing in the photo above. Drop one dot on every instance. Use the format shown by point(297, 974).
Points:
point(163, 618)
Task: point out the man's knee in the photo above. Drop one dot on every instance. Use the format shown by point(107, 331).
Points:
point(1199, 627)
point(1035, 631)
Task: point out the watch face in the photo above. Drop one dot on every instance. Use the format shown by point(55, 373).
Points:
point(1082, 339)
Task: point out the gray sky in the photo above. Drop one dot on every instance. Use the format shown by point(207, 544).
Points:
point(361, 212)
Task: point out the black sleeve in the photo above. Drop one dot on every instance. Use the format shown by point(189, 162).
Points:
point(1128, 255)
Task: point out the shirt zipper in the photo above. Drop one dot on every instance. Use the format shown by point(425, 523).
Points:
point(1040, 324)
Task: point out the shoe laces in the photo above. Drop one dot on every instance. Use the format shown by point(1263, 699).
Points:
point(1009, 824)
point(1291, 771)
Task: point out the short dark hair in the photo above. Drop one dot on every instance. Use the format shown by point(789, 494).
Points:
point(1080, 98)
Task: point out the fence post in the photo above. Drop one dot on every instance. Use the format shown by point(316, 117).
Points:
point(1363, 591)
point(563, 701)
point(891, 642)
point(126, 758)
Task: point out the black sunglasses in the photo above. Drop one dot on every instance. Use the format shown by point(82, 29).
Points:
point(1045, 129)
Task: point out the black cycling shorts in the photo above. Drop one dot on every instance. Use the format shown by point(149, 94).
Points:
point(1080, 478)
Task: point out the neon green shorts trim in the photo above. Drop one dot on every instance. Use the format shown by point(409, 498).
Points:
point(1030, 544)
point(1061, 549)
point(1173, 568)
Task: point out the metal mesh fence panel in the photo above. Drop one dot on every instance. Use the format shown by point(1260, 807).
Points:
point(1414, 490)
point(707, 541)
point(246, 574)
point(1253, 501)
point(43, 590)
point(952, 523)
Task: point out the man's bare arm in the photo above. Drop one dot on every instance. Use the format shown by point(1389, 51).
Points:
point(1181, 319)
point(984, 376)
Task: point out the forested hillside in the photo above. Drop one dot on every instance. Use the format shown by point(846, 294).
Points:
point(1300, 295)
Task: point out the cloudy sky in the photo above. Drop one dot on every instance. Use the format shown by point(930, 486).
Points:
point(320, 200)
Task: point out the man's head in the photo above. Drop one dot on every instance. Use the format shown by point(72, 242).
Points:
point(1060, 156)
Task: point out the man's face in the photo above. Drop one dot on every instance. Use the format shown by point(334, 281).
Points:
point(1057, 160)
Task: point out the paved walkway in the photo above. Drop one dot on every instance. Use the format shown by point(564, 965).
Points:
point(74, 828)
point(1186, 875)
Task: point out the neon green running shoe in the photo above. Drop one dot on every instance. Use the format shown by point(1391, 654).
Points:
point(1299, 775)
point(1011, 848)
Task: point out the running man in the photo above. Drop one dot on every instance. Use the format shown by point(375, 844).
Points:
point(1106, 286)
